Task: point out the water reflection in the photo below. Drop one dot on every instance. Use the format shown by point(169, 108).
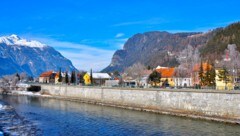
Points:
point(58, 117)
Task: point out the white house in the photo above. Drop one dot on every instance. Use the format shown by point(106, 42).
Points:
point(98, 78)
point(183, 82)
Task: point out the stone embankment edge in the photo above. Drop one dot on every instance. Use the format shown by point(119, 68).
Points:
point(172, 113)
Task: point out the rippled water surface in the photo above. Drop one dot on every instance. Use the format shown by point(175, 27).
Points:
point(58, 117)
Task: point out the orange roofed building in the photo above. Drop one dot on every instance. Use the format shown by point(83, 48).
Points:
point(47, 77)
point(167, 75)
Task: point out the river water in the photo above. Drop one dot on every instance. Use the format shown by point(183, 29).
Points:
point(66, 118)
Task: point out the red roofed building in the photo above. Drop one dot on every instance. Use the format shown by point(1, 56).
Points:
point(47, 77)
point(167, 75)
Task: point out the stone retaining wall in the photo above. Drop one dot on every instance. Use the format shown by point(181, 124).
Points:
point(209, 104)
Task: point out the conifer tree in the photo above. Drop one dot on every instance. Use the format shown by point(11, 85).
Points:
point(18, 77)
point(91, 77)
point(201, 74)
point(60, 75)
point(207, 75)
point(66, 78)
point(212, 76)
point(73, 77)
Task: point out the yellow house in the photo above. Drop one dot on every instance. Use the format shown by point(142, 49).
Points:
point(98, 78)
point(221, 85)
point(87, 80)
point(167, 75)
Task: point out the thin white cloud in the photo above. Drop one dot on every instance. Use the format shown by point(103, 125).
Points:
point(83, 57)
point(119, 35)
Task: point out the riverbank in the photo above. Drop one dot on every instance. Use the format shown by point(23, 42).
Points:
point(208, 105)
point(64, 117)
point(13, 124)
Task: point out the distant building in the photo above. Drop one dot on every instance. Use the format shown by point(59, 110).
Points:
point(183, 82)
point(144, 79)
point(130, 83)
point(57, 77)
point(112, 83)
point(47, 77)
point(221, 84)
point(167, 76)
point(98, 78)
point(233, 81)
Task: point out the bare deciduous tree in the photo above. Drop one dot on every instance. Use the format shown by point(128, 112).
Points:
point(187, 59)
point(181, 71)
point(23, 76)
point(136, 71)
point(231, 60)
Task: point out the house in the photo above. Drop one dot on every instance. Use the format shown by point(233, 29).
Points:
point(112, 83)
point(232, 80)
point(47, 77)
point(130, 83)
point(183, 81)
point(57, 77)
point(98, 78)
point(182, 77)
point(221, 84)
point(144, 79)
point(167, 76)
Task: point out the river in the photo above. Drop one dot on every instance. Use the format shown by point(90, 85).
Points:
point(67, 118)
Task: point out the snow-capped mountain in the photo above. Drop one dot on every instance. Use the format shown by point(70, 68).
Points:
point(21, 55)
point(16, 40)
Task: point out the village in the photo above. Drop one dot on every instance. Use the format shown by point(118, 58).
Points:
point(191, 73)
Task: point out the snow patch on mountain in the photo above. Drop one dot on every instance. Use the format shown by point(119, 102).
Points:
point(19, 55)
point(16, 40)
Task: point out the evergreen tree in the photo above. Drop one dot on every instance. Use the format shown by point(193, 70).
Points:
point(154, 77)
point(212, 76)
point(201, 74)
point(66, 78)
point(18, 77)
point(60, 75)
point(73, 77)
point(91, 77)
point(116, 73)
point(207, 78)
point(223, 75)
point(81, 80)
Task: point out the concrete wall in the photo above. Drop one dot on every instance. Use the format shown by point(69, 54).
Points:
point(223, 106)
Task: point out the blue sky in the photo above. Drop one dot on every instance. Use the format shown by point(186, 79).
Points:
point(91, 30)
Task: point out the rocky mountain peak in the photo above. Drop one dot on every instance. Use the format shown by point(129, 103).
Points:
point(153, 49)
point(16, 40)
point(19, 55)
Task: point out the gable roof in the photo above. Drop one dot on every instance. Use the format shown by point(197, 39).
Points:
point(100, 75)
point(166, 72)
point(46, 74)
